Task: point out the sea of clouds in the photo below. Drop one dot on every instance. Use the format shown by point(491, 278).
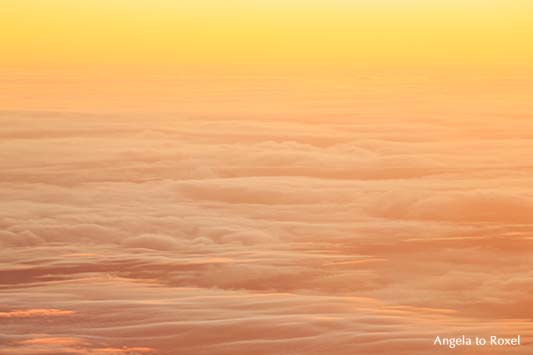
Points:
point(133, 234)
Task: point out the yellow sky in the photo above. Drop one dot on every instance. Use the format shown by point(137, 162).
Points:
point(234, 35)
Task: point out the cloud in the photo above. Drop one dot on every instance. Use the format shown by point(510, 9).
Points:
point(70, 346)
point(473, 206)
point(225, 236)
point(30, 313)
point(152, 241)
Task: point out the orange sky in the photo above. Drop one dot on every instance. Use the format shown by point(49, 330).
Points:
point(263, 36)
point(254, 56)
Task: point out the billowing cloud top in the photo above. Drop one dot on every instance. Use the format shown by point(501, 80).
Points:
point(316, 232)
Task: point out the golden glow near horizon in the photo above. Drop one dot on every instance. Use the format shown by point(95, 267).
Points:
point(257, 34)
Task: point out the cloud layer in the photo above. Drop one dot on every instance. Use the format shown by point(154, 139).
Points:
point(219, 236)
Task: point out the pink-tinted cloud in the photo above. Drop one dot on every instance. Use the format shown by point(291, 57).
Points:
point(228, 236)
point(30, 313)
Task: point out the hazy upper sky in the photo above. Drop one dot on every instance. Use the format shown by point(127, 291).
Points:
point(259, 35)
point(185, 56)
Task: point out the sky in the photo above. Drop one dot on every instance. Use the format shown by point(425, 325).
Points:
point(258, 35)
point(271, 177)
point(109, 55)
